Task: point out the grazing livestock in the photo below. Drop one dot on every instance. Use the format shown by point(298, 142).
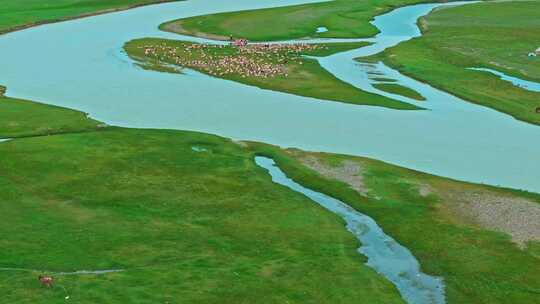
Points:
point(239, 42)
point(535, 53)
point(46, 281)
point(253, 60)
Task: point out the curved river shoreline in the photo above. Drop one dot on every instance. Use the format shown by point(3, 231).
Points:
point(79, 64)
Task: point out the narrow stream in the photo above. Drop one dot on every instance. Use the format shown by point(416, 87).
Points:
point(384, 254)
point(518, 82)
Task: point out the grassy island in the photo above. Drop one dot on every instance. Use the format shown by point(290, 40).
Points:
point(279, 67)
point(395, 88)
point(342, 18)
point(441, 57)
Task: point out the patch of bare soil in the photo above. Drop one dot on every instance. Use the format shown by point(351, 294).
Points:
point(349, 172)
point(518, 217)
point(242, 144)
point(424, 190)
point(423, 24)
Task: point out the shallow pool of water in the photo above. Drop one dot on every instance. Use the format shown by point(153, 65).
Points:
point(322, 29)
point(385, 255)
point(198, 149)
point(90, 73)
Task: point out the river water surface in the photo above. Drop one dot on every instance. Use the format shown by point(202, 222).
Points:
point(80, 64)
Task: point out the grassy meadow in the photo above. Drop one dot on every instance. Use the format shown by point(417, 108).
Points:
point(343, 18)
point(22, 13)
point(186, 226)
point(442, 55)
point(189, 217)
point(304, 76)
point(21, 118)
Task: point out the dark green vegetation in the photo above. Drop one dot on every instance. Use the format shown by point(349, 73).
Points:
point(23, 13)
point(383, 79)
point(496, 35)
point(343, 18)
point(301, 76)
point(211, 227)
point(399, 90)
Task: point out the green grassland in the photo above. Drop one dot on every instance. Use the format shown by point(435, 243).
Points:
point(399, 90)
point(186, 226)
point(496, 35)
point(21, 13)
point(305, 77)
point(20, 118)
point(343, 18)
point(211, 227)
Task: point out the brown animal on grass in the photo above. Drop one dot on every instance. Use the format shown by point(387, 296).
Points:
point(46, 281)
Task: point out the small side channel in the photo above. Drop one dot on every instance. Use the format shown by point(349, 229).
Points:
point(518, 82)
point(385, 255)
